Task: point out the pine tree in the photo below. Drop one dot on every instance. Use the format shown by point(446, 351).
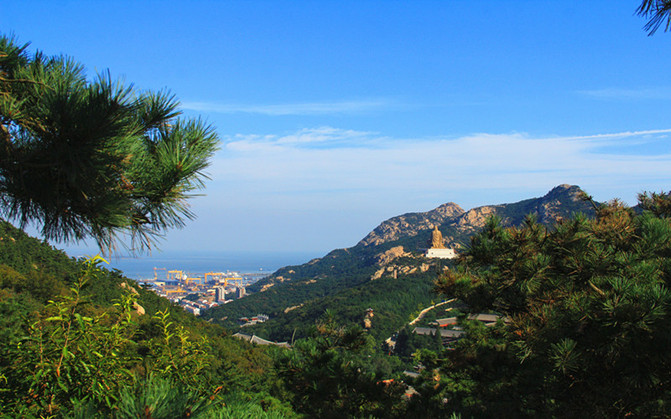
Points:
point(93, 158)
point(658, 12)
point(587, 305)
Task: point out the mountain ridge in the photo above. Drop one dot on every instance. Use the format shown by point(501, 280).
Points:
point(393, 227)
point(393, 251)
point(546, 208)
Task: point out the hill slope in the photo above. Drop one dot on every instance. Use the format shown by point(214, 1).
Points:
point(393, 252)
point(64, 339)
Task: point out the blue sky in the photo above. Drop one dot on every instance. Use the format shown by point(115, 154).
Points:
point(336, 115)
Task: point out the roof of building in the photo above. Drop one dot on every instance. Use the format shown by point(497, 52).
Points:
point(260, 341)
point(446, 333)
point(484, 317)
point(446, 321)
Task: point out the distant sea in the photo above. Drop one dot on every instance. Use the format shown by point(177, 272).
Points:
point(197, 263)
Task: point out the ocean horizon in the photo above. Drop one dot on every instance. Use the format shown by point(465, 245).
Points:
point(197, 263)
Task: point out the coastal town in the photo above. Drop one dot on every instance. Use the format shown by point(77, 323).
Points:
point(198, 292)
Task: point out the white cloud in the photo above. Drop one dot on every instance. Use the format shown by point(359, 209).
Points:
point(360, 169)
point(313, 108)
point(322, 188)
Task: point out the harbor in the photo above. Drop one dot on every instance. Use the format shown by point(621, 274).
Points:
point(199, 291)
point(201, 280)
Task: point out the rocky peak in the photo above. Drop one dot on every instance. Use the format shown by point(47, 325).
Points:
point(560, 202)
point(411, 224)
point(550, 207)
point(448, 210)
point(476, 217)
point(571, 192)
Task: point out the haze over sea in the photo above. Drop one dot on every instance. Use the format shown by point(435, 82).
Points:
point(199, 262)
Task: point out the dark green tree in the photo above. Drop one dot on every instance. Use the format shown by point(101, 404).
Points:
point(658, 13)
point(93, 158)
point(331, 375)
point(587, 308)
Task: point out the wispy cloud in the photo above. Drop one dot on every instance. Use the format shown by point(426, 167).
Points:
point(644, 93)
point(326, 167)
point(625, 134)
point(309, 108)
point(326, 187)
point(321, 137)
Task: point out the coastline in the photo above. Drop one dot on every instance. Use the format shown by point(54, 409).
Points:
point(142, 267)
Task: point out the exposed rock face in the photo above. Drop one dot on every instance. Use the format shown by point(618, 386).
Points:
point(410, 224)
point(547, 209)
point(408, 234)
point(391, 254)
point(394, 271)
point(556, 204)
point(378, 274)
point(475, 219)
point(292, 308)
point(138, 309)
point(368, 319)
point(550, 207)
point(384, 259)
point(130, 288)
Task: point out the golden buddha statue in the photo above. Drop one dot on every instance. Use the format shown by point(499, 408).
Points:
point(437, 238)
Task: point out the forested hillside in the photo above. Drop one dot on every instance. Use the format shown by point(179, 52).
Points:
point(295, 296)
point(76, 337)
point(556, 306)
point(393, 302)
point(583, 306)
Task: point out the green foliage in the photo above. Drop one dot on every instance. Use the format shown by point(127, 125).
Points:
point(330, 378)
point(83, 350)
point(392, 301)
point(70, 362)
point(67, 354)
point(93, 158)
point(161, 398)
point(409, 344)
point(588, 308)
point(154, 397)
point(246, 411)
point(174, 355)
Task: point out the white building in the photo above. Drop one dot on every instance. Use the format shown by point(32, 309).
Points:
point(219, 294)
point(440, 253)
